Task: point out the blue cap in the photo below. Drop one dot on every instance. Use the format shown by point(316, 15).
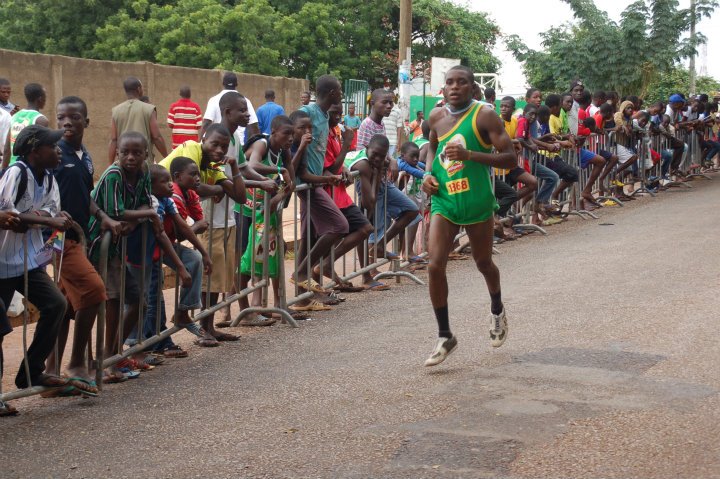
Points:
point(676, 99)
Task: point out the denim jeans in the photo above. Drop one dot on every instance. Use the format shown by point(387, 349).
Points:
point(713, 149)
point(548, 181)
point(190, 298)
point(397, 204)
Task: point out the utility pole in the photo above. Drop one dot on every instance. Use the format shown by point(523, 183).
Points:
point(404, 59)
point(692, 38)
point(405, 29)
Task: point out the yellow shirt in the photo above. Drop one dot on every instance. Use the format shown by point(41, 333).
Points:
point(555, 125)
point(193, 150)
point(511, 129)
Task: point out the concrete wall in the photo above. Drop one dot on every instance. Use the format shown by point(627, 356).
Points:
point(99, 83)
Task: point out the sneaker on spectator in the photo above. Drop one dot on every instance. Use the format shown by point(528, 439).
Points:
point(442, 350)
point(498, 329)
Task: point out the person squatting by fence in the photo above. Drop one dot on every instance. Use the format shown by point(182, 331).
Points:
point(203, 209)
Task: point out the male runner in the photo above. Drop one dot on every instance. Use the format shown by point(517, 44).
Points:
point(462, 135)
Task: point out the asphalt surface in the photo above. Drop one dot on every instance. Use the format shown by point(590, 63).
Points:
point(610, 370)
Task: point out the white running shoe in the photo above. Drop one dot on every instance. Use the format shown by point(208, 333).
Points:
point(442, 350)
point(498, 329)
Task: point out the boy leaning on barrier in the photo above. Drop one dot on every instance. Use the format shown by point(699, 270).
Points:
point(269, 157)
point(30, 201)
point(359, 227)
point(123, 192)
point(558, 104)
point(190, 264)
point(568, 174)
point(327, 223)
point(373, 187)
point(302, 139)
point(211, 156)
point(529, 138)
point(410, 165)
point(79, 280)
point(234, 115)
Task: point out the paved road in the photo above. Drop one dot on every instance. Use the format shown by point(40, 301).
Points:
point(610, 370)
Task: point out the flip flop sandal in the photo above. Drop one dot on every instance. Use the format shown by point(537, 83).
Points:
point(296, 315)
point(349, 288)
point(207, 343)
point(134, 365)
point(328, 300)
point(226, 337)
point(377, 286)
point(417, 260)
point(335, 295)
point(175, 352)
point(84, 387)
point(153, 360)
point(67, 391)
point(309, 285)
point(131, 374)
point(113, 379)
point(7, 410)
point(50, 381)
point(257, 321)
point(391, 255)
point(313, 306)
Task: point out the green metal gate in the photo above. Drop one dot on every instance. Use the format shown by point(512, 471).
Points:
point(356, 91)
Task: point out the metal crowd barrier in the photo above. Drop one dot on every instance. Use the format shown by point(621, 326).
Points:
point(526, 209)
point(597, 143)
point(100, 322)
point(357, 268)
point(571, 156)
point(100, 363)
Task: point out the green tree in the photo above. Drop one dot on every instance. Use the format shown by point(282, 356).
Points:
point(627, 56)
point(300, 38)
point(678, 80)
point(49, 26)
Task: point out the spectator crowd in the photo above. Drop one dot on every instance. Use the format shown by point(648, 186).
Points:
point(198, 208)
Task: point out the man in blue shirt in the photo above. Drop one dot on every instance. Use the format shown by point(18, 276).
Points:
point(268, 111)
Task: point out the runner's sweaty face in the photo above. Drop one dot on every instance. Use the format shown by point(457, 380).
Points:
point(458, 88)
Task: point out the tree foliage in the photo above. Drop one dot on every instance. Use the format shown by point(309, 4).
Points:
point(678, 80)
point(298, 38)
point(625, 56)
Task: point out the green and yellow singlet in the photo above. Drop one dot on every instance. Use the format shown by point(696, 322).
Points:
point(465, 195)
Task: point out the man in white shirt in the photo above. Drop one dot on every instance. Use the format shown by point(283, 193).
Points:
point(214, 115)
point(393, 129)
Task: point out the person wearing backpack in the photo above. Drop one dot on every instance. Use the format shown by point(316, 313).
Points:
point(27, 189)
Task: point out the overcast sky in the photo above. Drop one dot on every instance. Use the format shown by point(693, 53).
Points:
point(538, 16)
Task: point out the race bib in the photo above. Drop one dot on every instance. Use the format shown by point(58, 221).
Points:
point(460, 185)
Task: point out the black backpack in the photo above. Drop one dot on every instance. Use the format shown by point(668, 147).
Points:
point(22, 186)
